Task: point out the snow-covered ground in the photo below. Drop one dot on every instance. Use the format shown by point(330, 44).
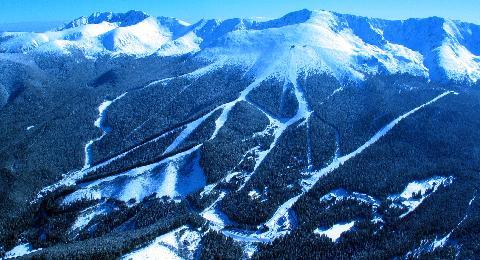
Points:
point(20, 250)
point(172, 177)
point(282, 211)
point(416, 192)
point(281, 221)
point(343, 45)
point(342, 194)
point(85, 216)
point(311, 41)
point(217, 219)
point(288, 67)
point(99, 122)
point(335, 231)
point(70, 178)
point(180, 243)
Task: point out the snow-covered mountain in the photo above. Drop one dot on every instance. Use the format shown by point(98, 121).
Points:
point(344, 45)
point(315, 135)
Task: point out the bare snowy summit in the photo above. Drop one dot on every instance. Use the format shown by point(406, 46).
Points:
point(345, 46)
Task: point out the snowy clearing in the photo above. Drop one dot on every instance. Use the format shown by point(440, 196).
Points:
point(416, 192)
point(20, 250)
point(335, 231)
point(180, 243)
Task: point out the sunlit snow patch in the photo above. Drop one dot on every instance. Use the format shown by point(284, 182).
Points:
point(417, 191)
point(335, 231)
point(88, 214)
point(177, 244)
point(341, 194)
point(174, 177)
point(216, 217)
point(253, 194)
point(20, 250)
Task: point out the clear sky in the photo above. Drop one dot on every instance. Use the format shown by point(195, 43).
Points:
point(13, 11)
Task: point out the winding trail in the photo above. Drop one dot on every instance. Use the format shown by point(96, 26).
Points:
point(99, 122)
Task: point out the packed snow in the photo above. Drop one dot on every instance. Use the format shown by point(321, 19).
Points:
point(216, 218)
point(335, 231)
point(189, 129)
point(253, 194)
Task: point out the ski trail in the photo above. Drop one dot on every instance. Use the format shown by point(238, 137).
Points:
point(102, 109)
point(309, 183)
point(142, 169)
point(220, 122)
point(331, 95)
point(303, 112)
point(191, 127)
point(191, 75)
point(72, 177)
point(309, 147)
point(215, 217)
point(188, 131)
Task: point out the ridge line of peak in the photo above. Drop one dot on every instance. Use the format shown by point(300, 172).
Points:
point(123, 19)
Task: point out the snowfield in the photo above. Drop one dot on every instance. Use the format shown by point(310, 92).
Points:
point(20, 250)
point(335, 231)
point(416, 192)
point(343, 45)
point(169, 246)
point(171, 177)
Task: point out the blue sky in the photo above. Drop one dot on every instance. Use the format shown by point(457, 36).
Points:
point(13, 11)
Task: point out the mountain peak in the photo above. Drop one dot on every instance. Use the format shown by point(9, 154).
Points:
point(295, 17)
point(339, 43)
point(123, 19)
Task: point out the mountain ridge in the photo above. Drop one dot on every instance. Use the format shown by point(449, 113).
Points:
point(343, 45)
